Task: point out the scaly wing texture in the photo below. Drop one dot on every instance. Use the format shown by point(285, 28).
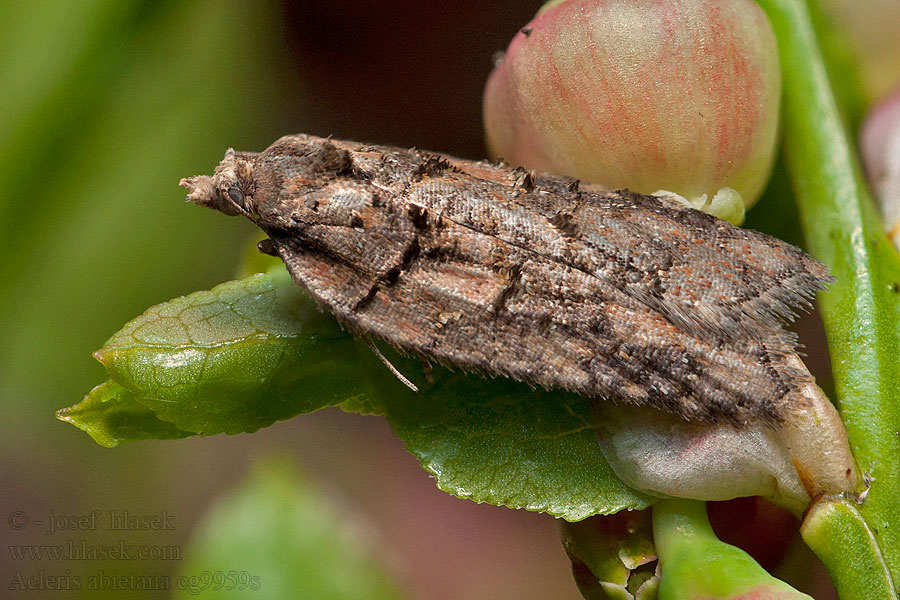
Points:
point(531, 276)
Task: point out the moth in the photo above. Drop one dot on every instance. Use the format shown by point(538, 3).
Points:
point(509, 272)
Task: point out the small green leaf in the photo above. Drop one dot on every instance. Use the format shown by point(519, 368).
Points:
point(236, 358)
point(277, 537)
point(111, 415)
point(501, 442)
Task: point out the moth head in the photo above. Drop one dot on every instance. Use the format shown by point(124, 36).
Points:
point(230, 189)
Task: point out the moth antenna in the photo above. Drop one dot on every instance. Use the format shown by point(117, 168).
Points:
point(392, 368)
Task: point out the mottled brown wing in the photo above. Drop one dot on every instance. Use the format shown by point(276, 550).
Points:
point(473, 301)
point(705, 275)
point(511, 273)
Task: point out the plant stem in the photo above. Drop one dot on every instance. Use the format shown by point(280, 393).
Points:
point(841, 538)
point(861, 310)
point(677, 522)
point(695, 564)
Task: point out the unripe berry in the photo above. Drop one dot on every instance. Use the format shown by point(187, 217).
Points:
point(677, 95)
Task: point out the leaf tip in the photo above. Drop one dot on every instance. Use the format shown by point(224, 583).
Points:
point(102, 355)
point(63, 414)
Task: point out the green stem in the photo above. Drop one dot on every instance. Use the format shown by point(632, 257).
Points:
point(695, 564)
point(677, 522)
point(861, 310)
point(846, 545)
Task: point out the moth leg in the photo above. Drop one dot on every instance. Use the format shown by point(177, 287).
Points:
point(391, 367)
point(267, 246)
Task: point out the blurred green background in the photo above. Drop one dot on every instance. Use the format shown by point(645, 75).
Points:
point(105, 104)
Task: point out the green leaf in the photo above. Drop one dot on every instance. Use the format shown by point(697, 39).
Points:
point(501, 442)
point(839, 536)
point(277, 537)
point(861, 310)
point(234, 359)
point(111, 415)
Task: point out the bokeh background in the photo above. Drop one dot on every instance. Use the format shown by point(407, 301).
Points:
point(104, 106)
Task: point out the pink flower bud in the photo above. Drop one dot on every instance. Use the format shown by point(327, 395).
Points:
point(677, 95)
point(880, 146)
